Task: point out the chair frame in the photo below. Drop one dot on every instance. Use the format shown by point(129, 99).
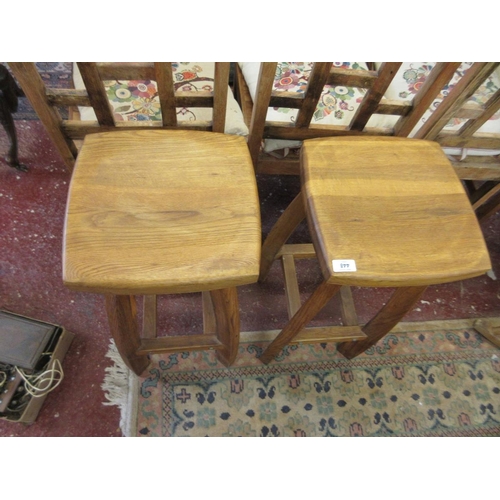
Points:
point(481, 175)
point(220, 307)
point(66, 134)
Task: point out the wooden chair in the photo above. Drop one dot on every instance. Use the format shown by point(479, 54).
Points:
point(481, 174)
point(154, 211)
point(382, 212)
point(67, 133)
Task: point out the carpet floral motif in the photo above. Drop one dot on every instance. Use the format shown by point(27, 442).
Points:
point(444, 383)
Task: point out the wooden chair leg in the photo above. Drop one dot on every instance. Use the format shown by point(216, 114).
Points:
point(306, 313)
point(149, 317)
point(281, 231)
point(348, 309)
point(488, 208)
point(209, 321)
point(122, 317)
point(384, 321)
point(227, 316)
point(488, 330)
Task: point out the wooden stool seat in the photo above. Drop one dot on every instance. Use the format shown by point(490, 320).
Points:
point(158, 212)
point(395, 207)
point(382, 212)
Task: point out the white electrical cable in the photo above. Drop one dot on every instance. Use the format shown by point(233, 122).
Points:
point(40, 385)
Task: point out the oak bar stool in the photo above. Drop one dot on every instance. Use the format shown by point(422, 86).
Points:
point(155, 212)
point(382, 212)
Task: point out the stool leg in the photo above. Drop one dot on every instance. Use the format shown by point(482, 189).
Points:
point(293, 215)
point(384, 321)
point(227, 316)
point(306, 313)
point(149, 317)
point(209, 321)
point(122, 317)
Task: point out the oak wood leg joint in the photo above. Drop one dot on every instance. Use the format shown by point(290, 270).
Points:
point(122, 318)
point(293, 215)
point(402, 300)
point(302, 317)
point(227, 319)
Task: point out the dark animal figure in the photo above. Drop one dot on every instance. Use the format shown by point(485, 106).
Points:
point(9, 94)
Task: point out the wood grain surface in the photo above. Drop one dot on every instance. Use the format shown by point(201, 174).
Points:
point(162, 211)
point(393, 205)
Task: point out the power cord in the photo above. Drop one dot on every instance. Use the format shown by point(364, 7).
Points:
point(40, 385)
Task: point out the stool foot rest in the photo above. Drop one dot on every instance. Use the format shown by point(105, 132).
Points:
point(320, 334)
point(401, 301)
point(306, 313)
point(179, 343)
point(298, 250)
point(489, 329)
point(221, 326)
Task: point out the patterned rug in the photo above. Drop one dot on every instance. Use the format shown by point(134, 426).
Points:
point(418, 381)
point(54, 75)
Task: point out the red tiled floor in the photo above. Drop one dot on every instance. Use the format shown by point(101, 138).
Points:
point(31, 224)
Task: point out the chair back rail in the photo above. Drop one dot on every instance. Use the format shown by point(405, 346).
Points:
point(34, 88)
point(374, 95)
point(481, 172)
point(375, 83)
point(166, 91)
point(64, 133)
point(460, 93)
point(440, 75)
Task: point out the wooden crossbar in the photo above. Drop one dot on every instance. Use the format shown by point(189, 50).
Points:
point(178, 343)
point(490, 108)
point(359, 78)
point(460, 93)
point(151, 343)
point(315, 335)
point(373, 97)
point(440, 75)
point(350, 329)
point(490, 329)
